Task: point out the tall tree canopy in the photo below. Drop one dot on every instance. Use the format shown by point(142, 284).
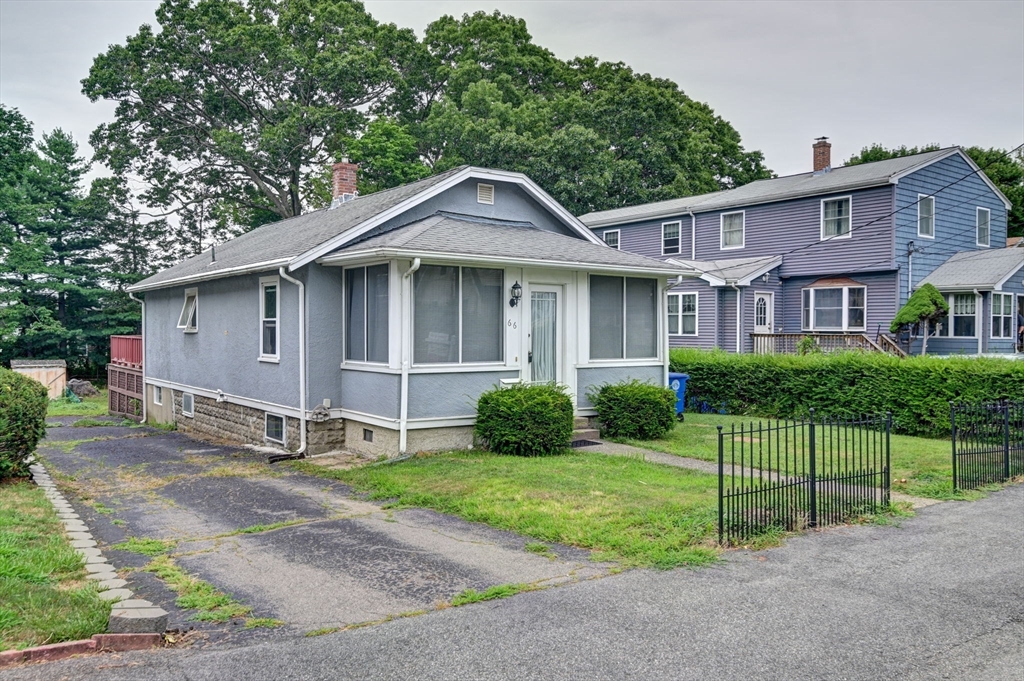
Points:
point(1004, 168)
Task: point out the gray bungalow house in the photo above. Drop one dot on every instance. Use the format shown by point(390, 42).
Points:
point(375, 325)
point(833, 254)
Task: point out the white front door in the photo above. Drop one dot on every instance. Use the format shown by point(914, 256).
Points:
point(764, 312)
point(544, 339)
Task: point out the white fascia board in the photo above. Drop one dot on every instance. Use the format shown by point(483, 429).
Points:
point(389, 253)
point(768, 267)
point(894, 179)
point(475, 173)
point(701, 274)
point(207, 276)
point(1008, 277)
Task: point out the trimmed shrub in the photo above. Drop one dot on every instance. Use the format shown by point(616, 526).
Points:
point(634, 410)
point(23, 404)
point(525, 420)
point(917, 390)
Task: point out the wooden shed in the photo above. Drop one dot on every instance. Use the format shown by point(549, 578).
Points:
point(53, 373)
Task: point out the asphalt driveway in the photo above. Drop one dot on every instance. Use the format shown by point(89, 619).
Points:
point(296, 548)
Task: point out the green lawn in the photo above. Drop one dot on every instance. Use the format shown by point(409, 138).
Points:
point(622, 509)
point(925, 464)
point(44, 596)
point(89, 406)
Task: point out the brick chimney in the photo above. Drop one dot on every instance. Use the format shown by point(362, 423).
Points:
point(822, 154)
point(345, 175)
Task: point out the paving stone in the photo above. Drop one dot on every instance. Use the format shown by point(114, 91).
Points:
point(99, 567)
point(135, 603)
point(68, 516)
point(87, 552)
point(137, 620)
point(95, 560)
point(111, 584)
point(83, 543)
point(75, 526)
point(116, 595)
point(73, 535)
point(103, 575)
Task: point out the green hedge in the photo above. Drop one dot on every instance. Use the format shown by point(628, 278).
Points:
point(634, 410)
point(917, 390)
point(23, 404)
point(525, 420)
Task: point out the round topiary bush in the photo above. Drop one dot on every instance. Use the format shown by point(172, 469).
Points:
point(23, 404)
point(634, 410)
point(525, 420)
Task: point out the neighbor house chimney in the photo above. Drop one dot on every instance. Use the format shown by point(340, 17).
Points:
point(345, 181)
point(822, 154)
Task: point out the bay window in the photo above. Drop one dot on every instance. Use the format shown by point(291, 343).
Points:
point(834, 308)
point(366, 314)
point(623, 317)
point(458, 315)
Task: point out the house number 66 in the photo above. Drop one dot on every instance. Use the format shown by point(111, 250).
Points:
point(513, 324)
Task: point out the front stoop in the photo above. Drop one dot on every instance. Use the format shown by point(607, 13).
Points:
point(590, 434)
point(129, 616)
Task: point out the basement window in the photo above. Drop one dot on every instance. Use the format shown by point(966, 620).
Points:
point(188, 405)
point(189, 317)
point(367, 435)
point(274, 431)
point(158, 395)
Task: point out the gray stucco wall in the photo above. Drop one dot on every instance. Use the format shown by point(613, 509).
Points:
point(450, 395)
point(223, 354)
point(594, 377)
point(371, 393)
point(324, 333)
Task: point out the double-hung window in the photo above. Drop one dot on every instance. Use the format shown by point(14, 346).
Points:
point(834, 308)
point(611, 237)
point(835, 218)
point(1002, 315)
point(189, 317)
point(670, 238)
point(984, 226)
point(366, 314)
point(623, 317)
point(682, 314)
point(458, 315)
point(963, 308)
point(732, 230)
point(926, 216)
point(270, 332)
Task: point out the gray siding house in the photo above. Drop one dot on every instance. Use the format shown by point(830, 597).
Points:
point(832, 253)
point(375, 325)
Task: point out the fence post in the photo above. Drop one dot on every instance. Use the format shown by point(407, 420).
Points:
point(887, 481)
point(952, 421)
point(1006, 440)
point(812, 464)
point(721, 484)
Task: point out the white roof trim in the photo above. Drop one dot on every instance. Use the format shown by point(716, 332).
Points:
point(386, 253)
point(746, 281)
point(1015, 270)
point(207, 276)
point(894, 179)
point(526, 183)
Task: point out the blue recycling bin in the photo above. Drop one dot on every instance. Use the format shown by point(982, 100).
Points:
point(678, 383)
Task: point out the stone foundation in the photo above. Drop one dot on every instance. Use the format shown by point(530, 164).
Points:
point(386, 440)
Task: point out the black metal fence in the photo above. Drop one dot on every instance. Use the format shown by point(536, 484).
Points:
point(988, 443)
point(787, 475)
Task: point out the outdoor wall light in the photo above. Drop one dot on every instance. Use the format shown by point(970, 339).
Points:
point(766, 276)
point(517, 293)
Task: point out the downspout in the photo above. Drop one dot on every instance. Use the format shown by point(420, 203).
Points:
point(739, 320)
point(669, 285)
point(403, 415)
point(144, 396)
point(301, 453)
point(979, 318)
point(693, 236)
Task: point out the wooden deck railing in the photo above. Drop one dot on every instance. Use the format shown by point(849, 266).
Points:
point(788, 343)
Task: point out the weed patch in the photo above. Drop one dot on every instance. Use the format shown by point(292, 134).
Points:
point(146, 546)
point(263, 623)
point(89, 406)
point(540, 550)
point(501, 591)
point(195, 594)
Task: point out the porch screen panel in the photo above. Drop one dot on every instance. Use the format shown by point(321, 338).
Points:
point(606, 317)
point(641, 318)
point(377, 313)
point(355, 314)
point(482, 314)
point(435, 325)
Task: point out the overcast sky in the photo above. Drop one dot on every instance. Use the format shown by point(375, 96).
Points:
point(782, 73)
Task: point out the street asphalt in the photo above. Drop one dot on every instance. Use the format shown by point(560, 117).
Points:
point(941, 596)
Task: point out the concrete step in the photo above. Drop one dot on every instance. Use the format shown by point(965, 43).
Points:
point(586, 434)
point(581, 422)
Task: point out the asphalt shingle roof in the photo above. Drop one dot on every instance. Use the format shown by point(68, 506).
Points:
point(448, 233)
point(982, 269)
point(763, 191)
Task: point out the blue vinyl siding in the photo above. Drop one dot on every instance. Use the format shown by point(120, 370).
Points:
point(644, 238)
point(955, 215)
point(707, 304)
point(881, 301)
point(727, 319)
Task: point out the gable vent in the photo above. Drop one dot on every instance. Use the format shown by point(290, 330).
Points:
point(485, 194)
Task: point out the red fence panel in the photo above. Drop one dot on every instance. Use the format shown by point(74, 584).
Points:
point(126, 351)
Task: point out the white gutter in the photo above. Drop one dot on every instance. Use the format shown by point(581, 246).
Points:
point(301, 453)
point(144, 395)
point(693, 235)
point(403, 416)
point(217, 274)
point(739, 320)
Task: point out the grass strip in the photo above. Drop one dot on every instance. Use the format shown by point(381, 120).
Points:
point(195, 594)
point(89, 406)
point(146, 546)
point(501, 591)
point(44, 596)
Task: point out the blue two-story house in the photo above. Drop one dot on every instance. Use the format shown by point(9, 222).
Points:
point(833, 254)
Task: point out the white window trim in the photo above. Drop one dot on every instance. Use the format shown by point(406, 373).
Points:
point(194, 311)
point(618, 238)
point(948, 326)
point(497, 364)
point(992, 317)
point(721, 231)
point(977, 227)
point(696, 314)
point(678, 224)
point(284, 428)
point(849, 233)
point(846, 309)
point(264, 283)
point(158, 395)
point(191, 412)
point(660, 317)
point(920, 198)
